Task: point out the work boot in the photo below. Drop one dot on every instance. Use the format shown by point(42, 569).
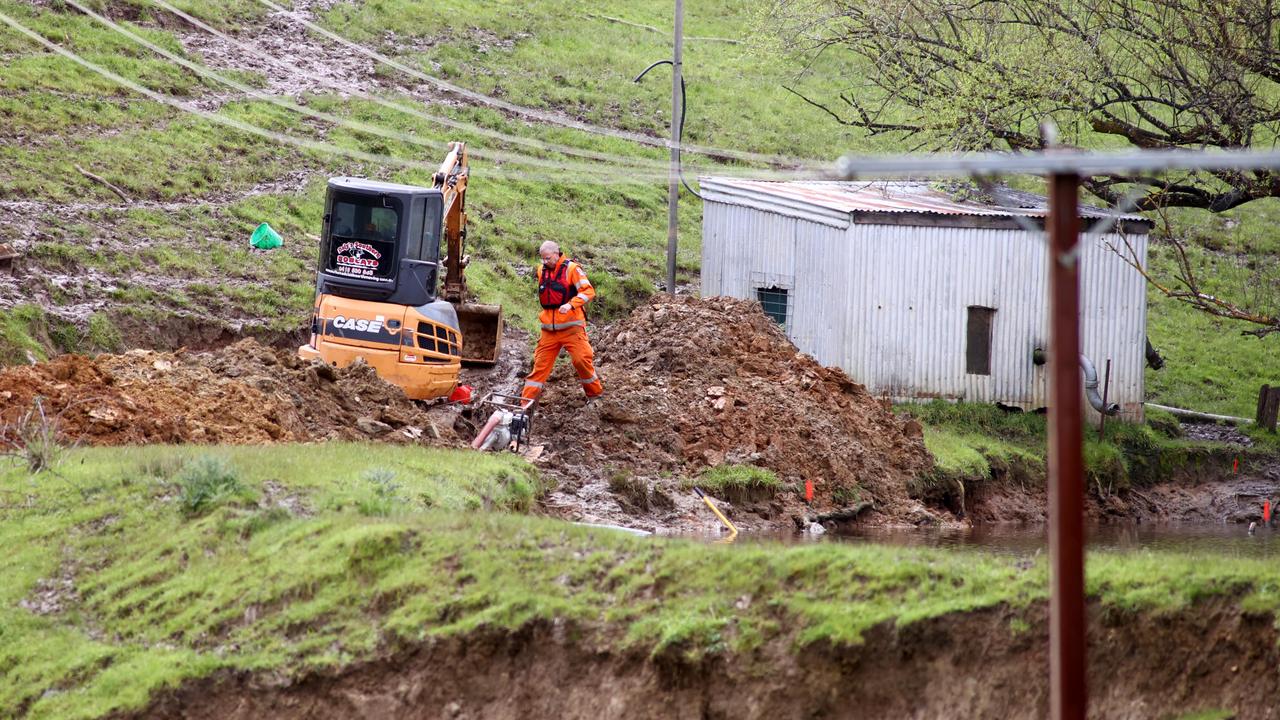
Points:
point(594, 398)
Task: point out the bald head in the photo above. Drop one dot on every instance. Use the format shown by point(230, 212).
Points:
point(549, 252)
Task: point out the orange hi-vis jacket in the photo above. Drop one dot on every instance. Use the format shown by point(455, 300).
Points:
point(565, 284)
point(569, 274)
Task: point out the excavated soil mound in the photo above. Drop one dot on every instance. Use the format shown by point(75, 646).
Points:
point(696, 383)
point(243, 393)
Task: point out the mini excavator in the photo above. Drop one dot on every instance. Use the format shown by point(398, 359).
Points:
point(377, 288)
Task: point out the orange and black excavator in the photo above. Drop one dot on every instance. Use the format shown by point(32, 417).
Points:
point(377, 294)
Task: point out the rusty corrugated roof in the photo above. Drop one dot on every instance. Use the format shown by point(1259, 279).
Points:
point(902, 197)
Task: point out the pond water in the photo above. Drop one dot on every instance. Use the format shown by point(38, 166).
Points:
point(1231, 540)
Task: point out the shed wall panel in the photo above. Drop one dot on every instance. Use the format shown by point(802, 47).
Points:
point(888, 303)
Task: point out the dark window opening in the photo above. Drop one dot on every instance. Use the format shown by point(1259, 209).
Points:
point(413, 248)
point(430, 248)
point(363, 241)
point(774, 302)
point(977, 350)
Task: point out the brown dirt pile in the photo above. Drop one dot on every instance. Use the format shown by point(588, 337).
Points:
point(242, 393)
point(697, 383)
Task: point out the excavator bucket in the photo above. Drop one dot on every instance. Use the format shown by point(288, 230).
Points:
point(481, 327)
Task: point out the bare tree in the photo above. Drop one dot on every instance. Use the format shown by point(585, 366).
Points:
point(1188, 287)
point(982, 74)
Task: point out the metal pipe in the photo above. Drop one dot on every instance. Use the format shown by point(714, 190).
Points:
point(1067, 619)
point(1091, 388)
point(1195, 415)
point(673, 183)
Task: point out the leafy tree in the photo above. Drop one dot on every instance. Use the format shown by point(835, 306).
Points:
point(983, 74)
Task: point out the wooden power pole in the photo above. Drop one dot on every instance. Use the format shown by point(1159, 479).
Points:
point(1067, 622)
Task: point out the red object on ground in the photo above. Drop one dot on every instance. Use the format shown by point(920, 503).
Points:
point(1235, 465)
point(492, 423)
point(461, 394)
point(808, 491)
point(1266, 511)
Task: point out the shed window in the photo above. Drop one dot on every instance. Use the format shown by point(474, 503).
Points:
point(774, 302)
point(977, 351)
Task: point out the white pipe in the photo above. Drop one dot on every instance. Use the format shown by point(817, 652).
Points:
point(1091, 388)
point(1194, 415)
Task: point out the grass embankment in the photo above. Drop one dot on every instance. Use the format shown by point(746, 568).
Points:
point(192, 257)
point(976, 442)
point(131, 570)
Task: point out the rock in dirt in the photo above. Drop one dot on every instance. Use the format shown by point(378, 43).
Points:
point(369, 426)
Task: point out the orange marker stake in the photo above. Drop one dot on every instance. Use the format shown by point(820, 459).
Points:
point(1235, 466)
point(1266, 511)
point(808, 491)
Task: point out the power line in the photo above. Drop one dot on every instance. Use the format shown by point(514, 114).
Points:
point(545, 115)
point(319, 115)
point(303, 143)
point(414, 111)
point(1052, 163)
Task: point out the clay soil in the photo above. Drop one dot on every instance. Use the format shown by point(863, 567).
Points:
point(692, 384)
point(242, 393)
point(961, 666)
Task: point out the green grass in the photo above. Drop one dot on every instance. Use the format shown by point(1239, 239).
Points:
point(1209, 366)
point(735, 481)
point(319, 556)
point(976, 442)
point(20, 331)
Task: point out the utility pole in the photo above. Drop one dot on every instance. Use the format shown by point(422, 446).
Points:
point(1067, 621)
point(673, 183)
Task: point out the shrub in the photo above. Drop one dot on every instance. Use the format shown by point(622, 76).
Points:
point(33, 438)
point(206, 483)
point(384, 493)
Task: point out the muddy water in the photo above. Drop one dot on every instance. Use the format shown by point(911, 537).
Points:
point(1220, 539)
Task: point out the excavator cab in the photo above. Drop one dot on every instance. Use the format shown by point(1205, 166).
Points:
point(378, 295)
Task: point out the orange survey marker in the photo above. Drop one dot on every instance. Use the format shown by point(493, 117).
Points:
point(1266, 511)
point(808, 491)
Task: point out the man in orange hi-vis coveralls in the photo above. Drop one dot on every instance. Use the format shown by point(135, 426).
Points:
point(563, 290)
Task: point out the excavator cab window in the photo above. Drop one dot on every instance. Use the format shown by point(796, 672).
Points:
point(431, 230)
point(424, 238)
point(363, 236)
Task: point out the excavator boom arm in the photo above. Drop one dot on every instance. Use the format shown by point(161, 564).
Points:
point(451, 180)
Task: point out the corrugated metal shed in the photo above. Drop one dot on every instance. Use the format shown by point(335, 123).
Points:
point(880, 279)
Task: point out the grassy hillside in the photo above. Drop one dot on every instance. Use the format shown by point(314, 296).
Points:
point(171, 261)
point(131, 570)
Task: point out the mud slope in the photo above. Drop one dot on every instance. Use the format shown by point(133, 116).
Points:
point(971, 666)
point(692, 384)
point(243, 393)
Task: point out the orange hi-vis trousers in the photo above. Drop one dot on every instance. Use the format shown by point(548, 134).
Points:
point(573, 339)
